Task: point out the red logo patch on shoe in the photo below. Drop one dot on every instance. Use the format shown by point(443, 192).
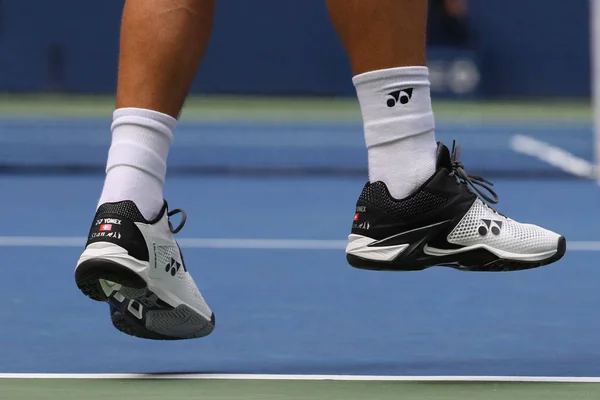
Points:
point(356, 216)
point(105, 227)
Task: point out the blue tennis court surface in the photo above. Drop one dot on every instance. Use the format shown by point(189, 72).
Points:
point(303, 311)
point(297, 309)
point(245, 148)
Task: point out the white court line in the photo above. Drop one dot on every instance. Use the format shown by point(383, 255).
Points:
point(197, 243)
point(553, 155)
point(255, 244)
point(583, 246)
point(311, 377)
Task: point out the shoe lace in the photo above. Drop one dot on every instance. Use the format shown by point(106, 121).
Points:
point(475, 182)
point(181, 223)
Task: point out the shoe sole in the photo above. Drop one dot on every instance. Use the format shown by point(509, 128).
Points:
point(483, 261)
point(87, 277)
point(132, 327)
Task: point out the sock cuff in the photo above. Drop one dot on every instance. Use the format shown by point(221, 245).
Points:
point(411, 76)
point(395, 104)
point(387, 131)
point(149, 119)
point(141, 139)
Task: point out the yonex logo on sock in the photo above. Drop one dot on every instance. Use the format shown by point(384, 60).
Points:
point(490, 225)
point(400, 96)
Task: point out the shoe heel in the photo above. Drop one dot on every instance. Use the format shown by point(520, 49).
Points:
point(89, 273)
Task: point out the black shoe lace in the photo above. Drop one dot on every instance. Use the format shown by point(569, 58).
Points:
point(458, 171)
point(181, 223)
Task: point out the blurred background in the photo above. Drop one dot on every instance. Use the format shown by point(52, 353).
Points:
point(268, 161)
point(509, 62)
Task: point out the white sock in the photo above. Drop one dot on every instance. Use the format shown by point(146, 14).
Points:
point(399, 127)
point(137, 159)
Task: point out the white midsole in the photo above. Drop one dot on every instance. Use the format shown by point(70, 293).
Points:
point(359, 246)
point(432, 251)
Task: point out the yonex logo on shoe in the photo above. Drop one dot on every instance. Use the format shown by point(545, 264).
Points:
point(104, 221)
point(400, 96)
point(173, 267)
point(490, 225)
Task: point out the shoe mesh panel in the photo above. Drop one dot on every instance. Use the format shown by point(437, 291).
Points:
point(420, 203)
point(126, 209)
point(164, 254)
point(503, 233)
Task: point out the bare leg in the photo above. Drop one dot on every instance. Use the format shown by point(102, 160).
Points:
point(162, 42)
point(380, 34)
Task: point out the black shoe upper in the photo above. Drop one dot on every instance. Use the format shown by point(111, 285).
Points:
point(115, 223)
point(441, 202)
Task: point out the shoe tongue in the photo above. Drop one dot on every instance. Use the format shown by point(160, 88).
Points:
point(443, 157)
